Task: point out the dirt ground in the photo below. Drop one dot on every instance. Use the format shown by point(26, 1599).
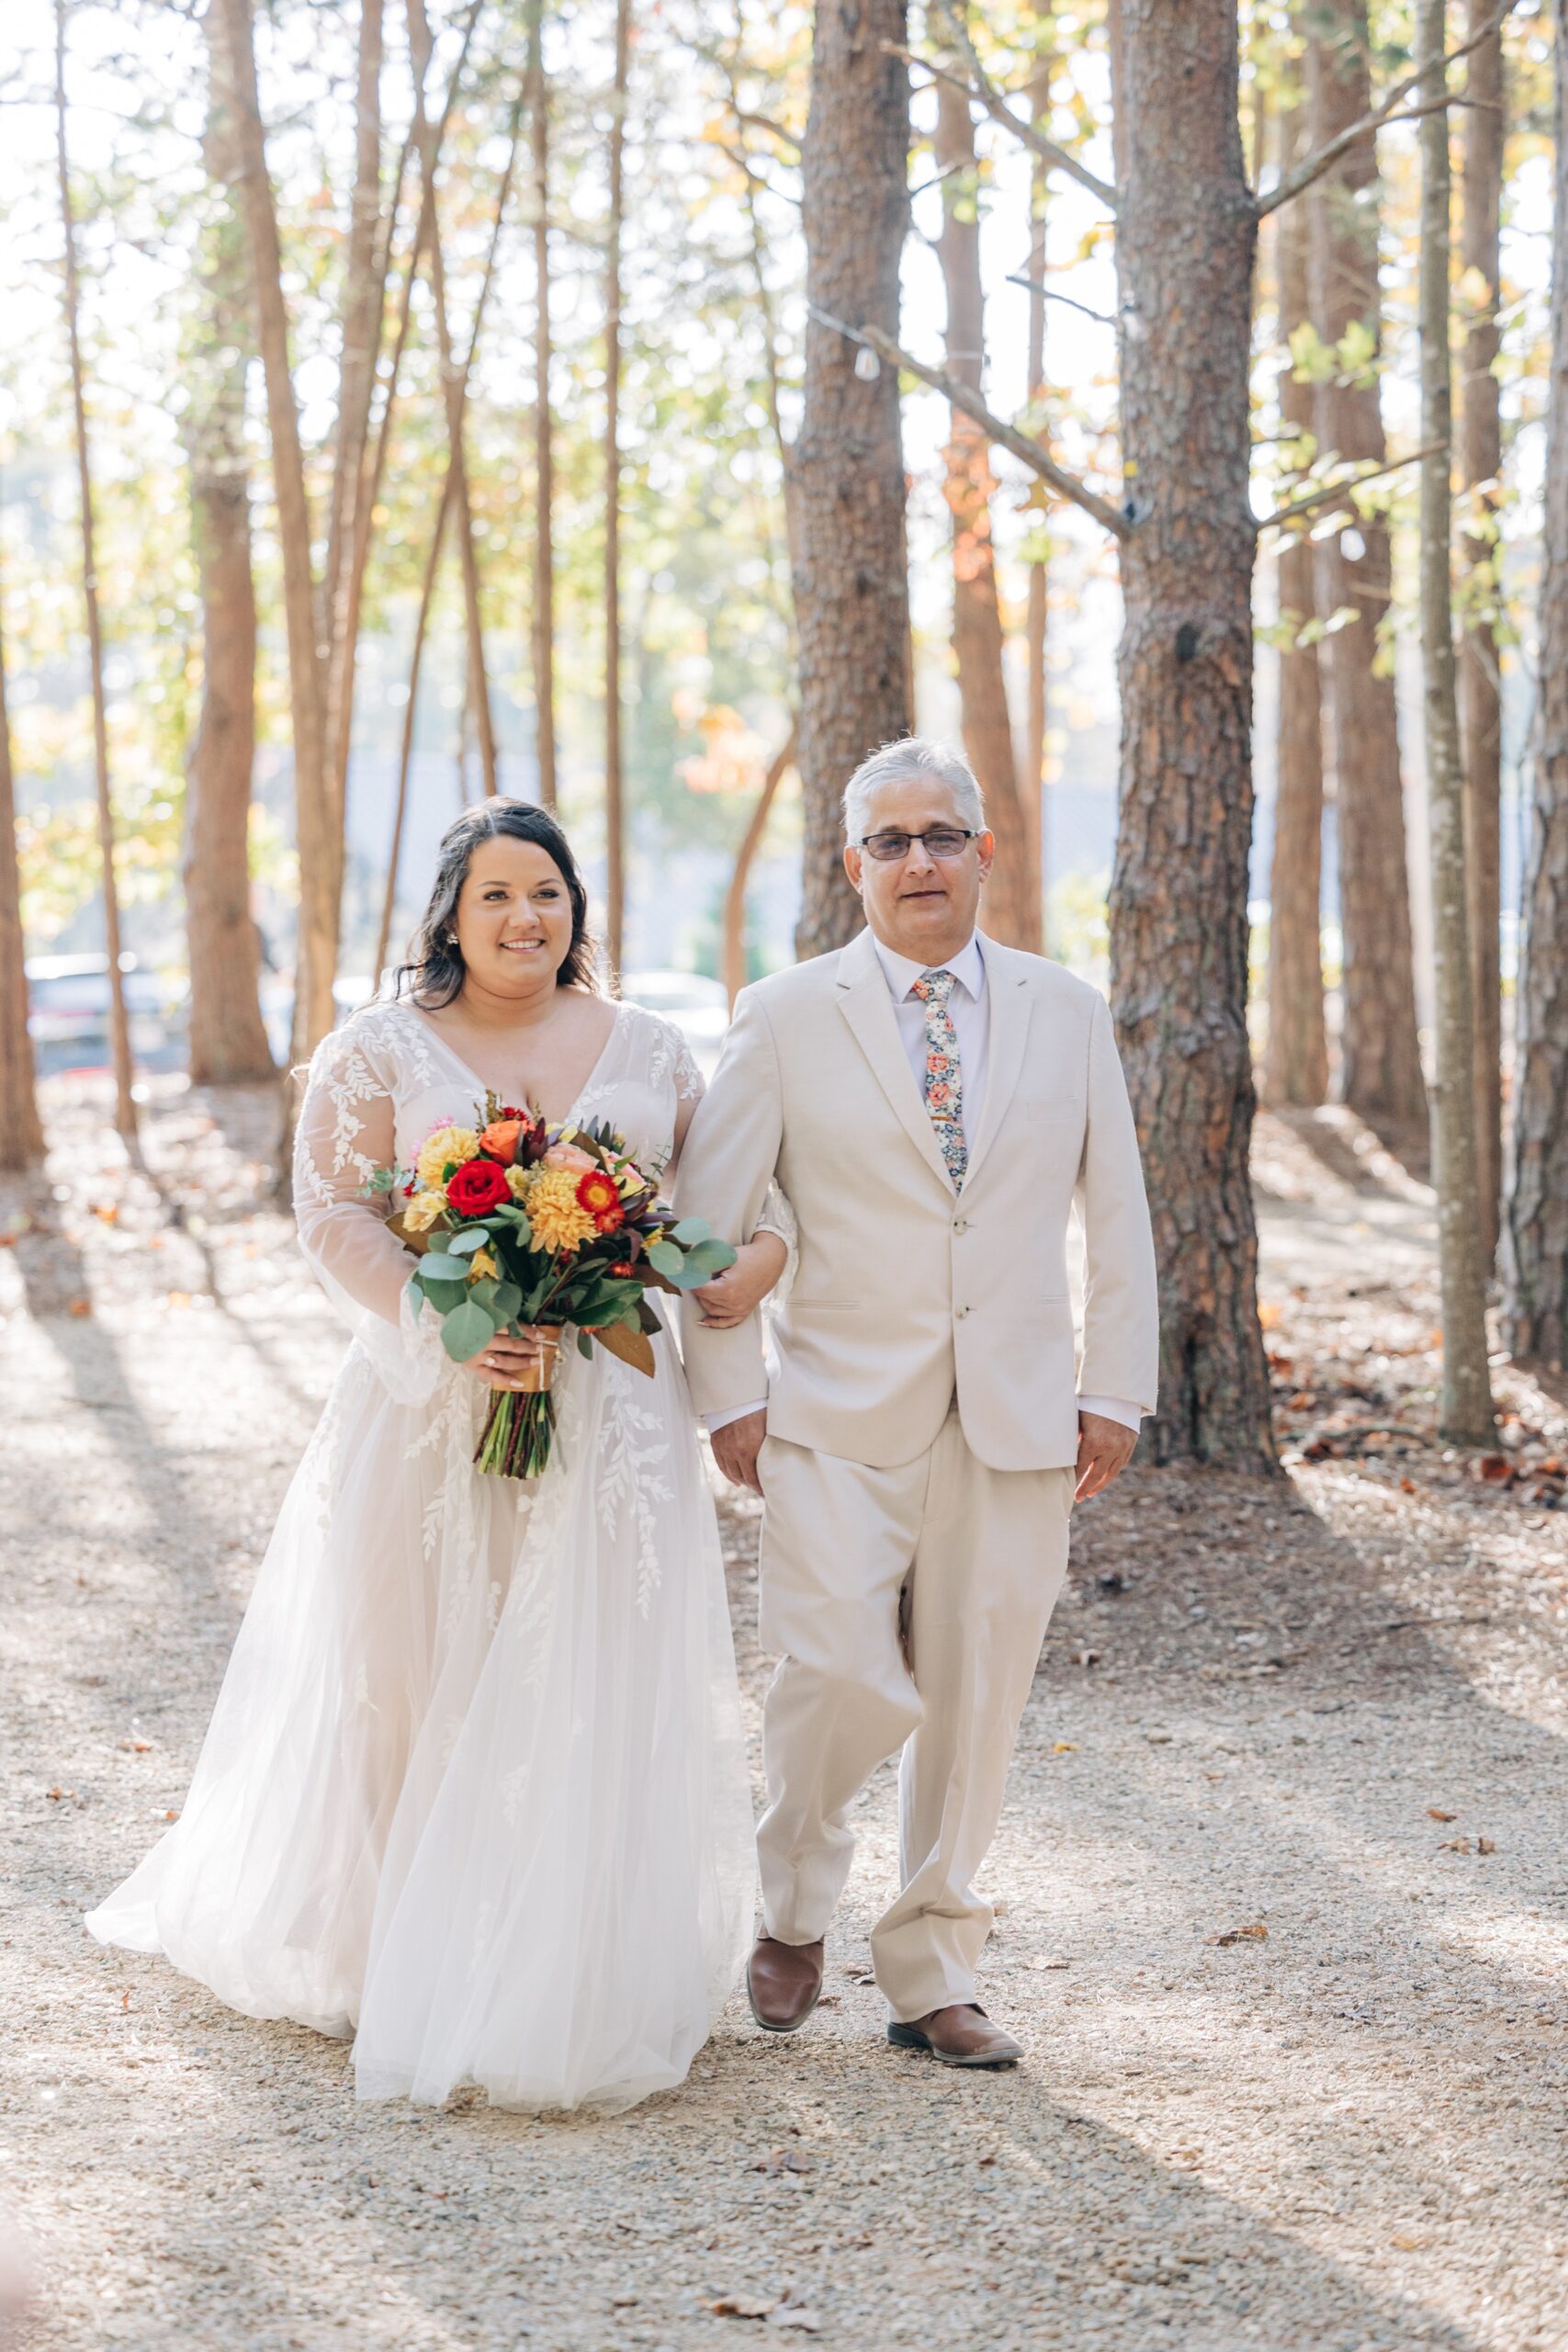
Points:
point(1282, 1885)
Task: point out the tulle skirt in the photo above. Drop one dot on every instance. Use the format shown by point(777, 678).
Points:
point(475, 1787)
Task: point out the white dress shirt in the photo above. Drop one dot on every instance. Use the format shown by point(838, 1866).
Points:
point(969, 1010)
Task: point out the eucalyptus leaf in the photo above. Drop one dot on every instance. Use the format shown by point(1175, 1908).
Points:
point(710, 1258)
point(664, 1256)
point(691, 1230)
point(507, 1300)
point(465, 1330)
point(444, 1296)
point(585, 1345)
point(440, 1266)
point(464, 1244)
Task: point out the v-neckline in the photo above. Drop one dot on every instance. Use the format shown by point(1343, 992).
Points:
point(472, 1075)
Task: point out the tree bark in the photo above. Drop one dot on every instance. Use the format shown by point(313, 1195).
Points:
point(364, 289)
point(319, 838)
point(228, 1042)
point(454, 383)
point(1012, 893)
point(1382, 1060)
point(614, 780)
point(1535, 1222)
point(544, 616)
point(1465, 1415)
point(1179, 924)
point(1036, 622)
point(119, 1025)
point(745, 857)
point(847, 465)
point(1480, 699)
point(1295, 1066)
point(21, 1131)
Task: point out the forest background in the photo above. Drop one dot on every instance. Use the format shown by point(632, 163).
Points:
point(357, 313)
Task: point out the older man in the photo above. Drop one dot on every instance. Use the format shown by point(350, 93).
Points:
point(933, 1104)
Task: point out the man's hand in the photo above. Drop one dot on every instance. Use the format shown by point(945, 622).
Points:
point(1105, 1448)
point(736, 1447)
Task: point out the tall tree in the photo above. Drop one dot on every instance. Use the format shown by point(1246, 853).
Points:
point(846, 465)
point(21, 1132)
point(427, 134)
point(1480, 695)
point(1179, 937)
point(1036, 619)
point(228, 1038)
point(319, 836)
point(544, 618)
point(364, 297)
point(1381, 1074)
point(1295, 1066)
point(1465, 1414)
point(119, 1024)
point(614, 780)
point(1012, 895)
point(1535, 1227)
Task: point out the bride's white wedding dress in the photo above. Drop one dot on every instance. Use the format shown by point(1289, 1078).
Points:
point(474, 1788)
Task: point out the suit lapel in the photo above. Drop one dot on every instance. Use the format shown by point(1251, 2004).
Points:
point(866, 1004)
point(1006, 984)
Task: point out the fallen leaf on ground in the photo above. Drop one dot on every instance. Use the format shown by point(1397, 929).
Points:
point(1406, 2241)
point(1065, 1747)
point(1486, 1846)
point(1436, 1812)
point(1257, 1934)
point(1454, 1846)
point(741, 2306)
point(798, 2315)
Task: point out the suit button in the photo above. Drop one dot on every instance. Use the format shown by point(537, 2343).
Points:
point(961, 1312)
point(960, 1224)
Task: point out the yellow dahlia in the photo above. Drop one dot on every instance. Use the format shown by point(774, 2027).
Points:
point(559, 1219)
point(422, 1212)
point(443, 1148)
point(521, 1182)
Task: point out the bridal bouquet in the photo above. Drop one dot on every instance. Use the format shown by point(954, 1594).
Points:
point(514, 1222)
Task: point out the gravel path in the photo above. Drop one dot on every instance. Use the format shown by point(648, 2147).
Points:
point(1282, 1887)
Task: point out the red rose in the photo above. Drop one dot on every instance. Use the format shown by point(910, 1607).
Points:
point(477, 1187)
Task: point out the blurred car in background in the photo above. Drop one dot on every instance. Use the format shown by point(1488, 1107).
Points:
point(68, 1013)
point(695, 1003)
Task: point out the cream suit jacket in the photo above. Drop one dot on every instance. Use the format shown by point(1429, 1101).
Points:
point(908, 1294)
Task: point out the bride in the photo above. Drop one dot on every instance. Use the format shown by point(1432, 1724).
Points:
point(474, 1790)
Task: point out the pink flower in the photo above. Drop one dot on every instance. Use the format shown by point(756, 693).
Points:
point(567, 1155)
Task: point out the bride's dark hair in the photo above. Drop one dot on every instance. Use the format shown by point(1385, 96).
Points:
point(434, 971)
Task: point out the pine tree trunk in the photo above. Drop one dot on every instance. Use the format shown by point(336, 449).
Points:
point(1465, 1415)
point(1012, 893)
point(119, 1024)
point(21, 1132)
point(318, 835)
point(1036, 620)
point(1480, 701)
point(1535, 1220)
point(1178, 926)
point(1295, 1065)
point(847, 465)
point(1382, 1061)
point(614, 813)
point(363, 290)
point(454, 385)
point(228, 1038)
point(544, 619)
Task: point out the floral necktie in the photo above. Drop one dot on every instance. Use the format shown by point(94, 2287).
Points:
point(943, 1087)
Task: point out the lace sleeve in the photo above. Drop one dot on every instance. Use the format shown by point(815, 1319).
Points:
point(779, 1217)
point(689, 1083)
point(345, 1133)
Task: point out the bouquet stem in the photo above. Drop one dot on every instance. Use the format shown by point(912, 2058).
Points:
point(515, 1441)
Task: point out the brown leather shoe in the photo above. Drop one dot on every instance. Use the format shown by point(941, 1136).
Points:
point(961, 2036)
point(783, 1983)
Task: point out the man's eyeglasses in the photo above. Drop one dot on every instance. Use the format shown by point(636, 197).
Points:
point(942, 841)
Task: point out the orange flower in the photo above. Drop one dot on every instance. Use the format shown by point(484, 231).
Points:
point(600, 1195)
point(500, 1140)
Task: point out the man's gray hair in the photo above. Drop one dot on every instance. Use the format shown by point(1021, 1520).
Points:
point(900, 761)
